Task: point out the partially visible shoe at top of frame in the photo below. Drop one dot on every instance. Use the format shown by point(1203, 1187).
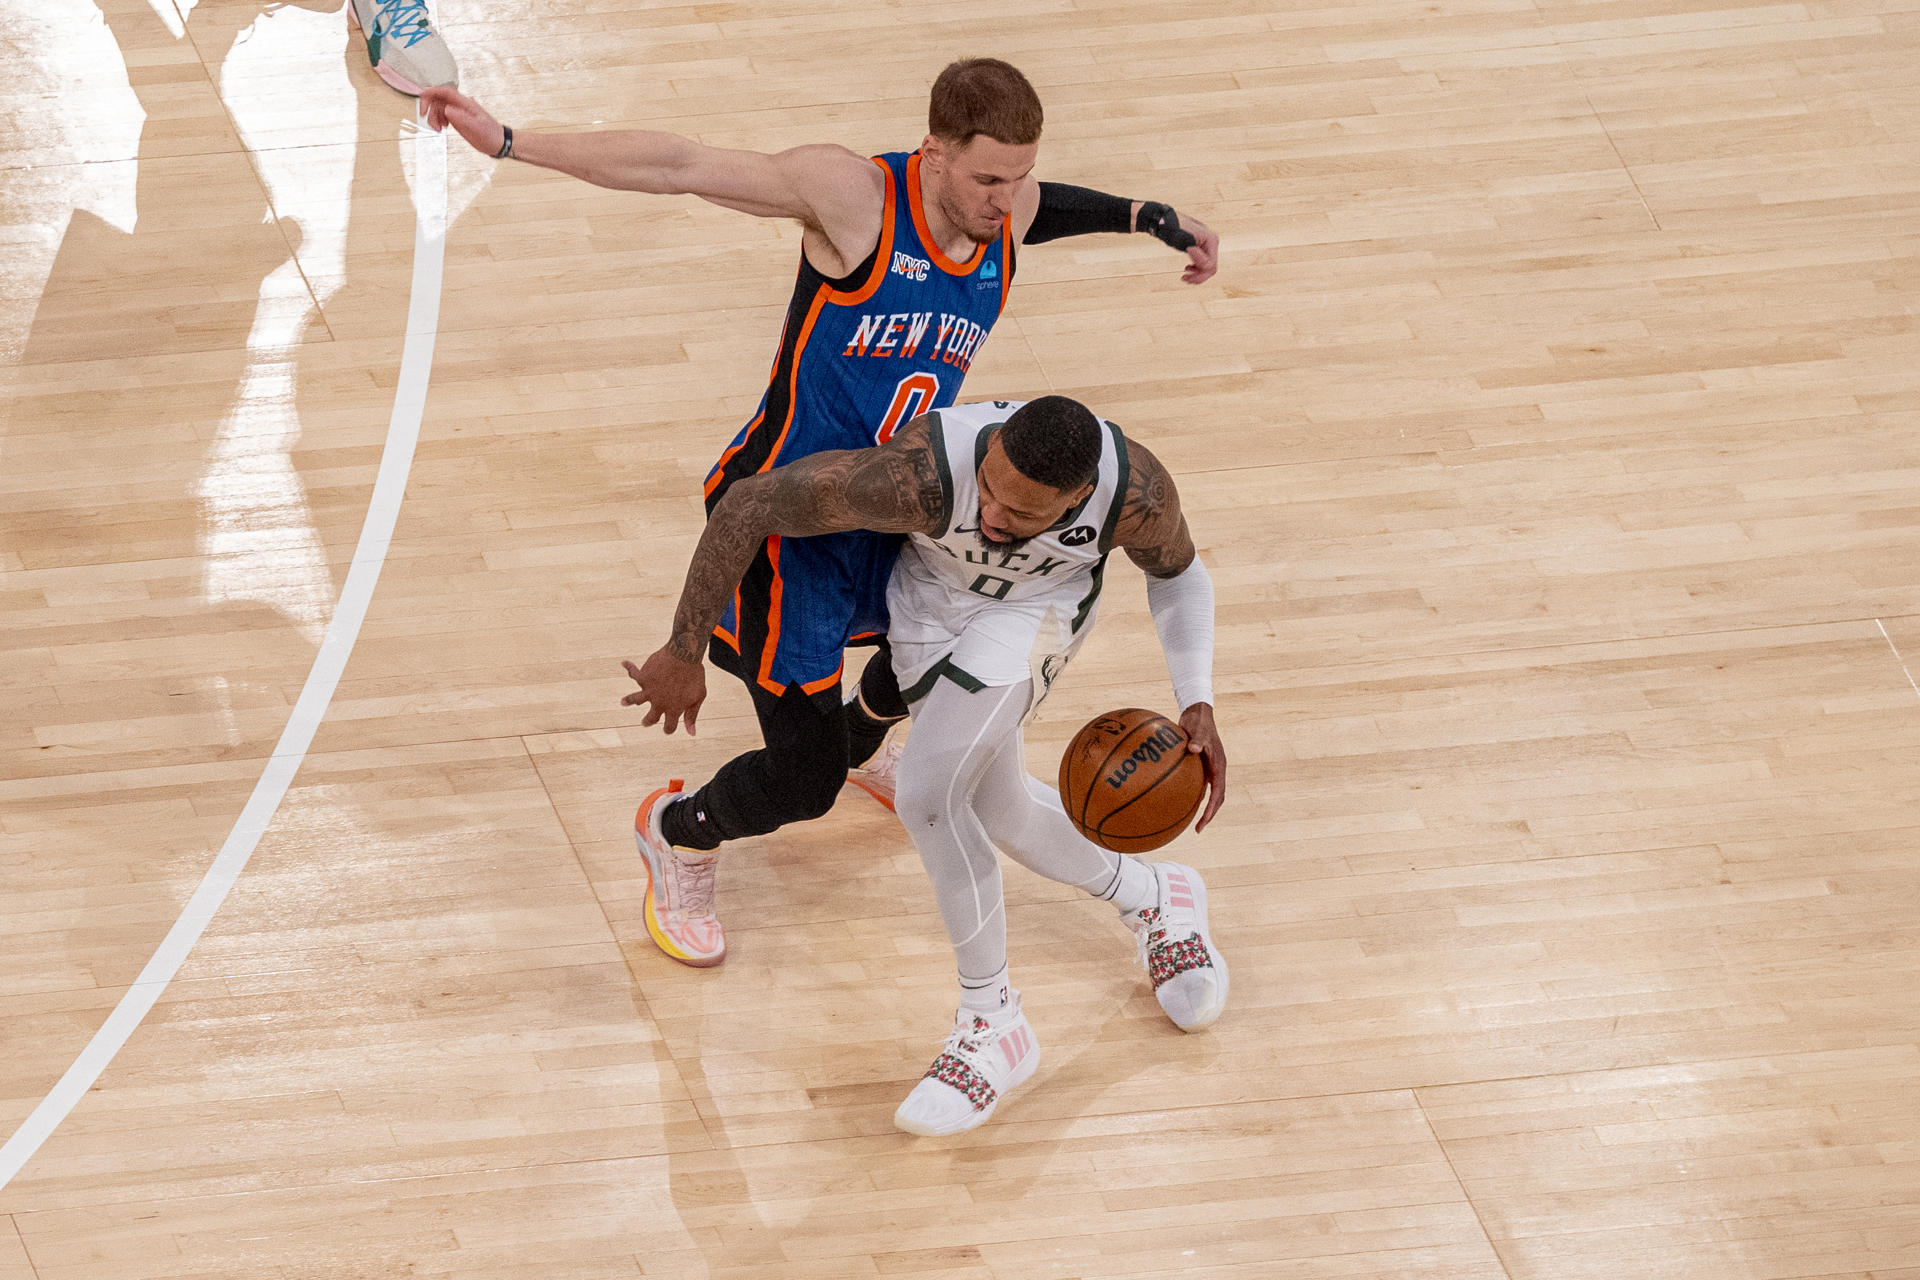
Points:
point(402, 45)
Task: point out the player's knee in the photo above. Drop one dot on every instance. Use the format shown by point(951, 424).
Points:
point(1003, 824)
point(920, 792)
point(1009, 818)
point(814, 790)
point(806, 782)
point(814, 803)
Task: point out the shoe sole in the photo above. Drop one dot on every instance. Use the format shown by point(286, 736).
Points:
point(659, 935)
point(1213, 952)
point(884, 799)
point(398, 81)
point(1020, 1076)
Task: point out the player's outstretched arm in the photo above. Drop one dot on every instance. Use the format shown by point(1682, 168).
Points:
point(1046, 211)
point(827, 187)
point(1154, 533)
point(893, 488)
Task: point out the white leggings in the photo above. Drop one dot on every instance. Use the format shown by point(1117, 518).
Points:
point(962, 788)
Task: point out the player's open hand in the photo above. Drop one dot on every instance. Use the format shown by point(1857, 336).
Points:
point(1203, 256)
point(671, 688)
point(1203, 739)
point(444, 105)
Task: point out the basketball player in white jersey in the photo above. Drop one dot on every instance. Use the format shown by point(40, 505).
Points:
point(1012, 510)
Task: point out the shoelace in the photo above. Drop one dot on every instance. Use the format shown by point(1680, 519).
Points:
point(407, 20)
point(970, 1037)
point(693, 877)
point(1145, 936)
point(694, 885)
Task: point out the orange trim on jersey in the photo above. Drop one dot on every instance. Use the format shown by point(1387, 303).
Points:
point(883, 260)
point(934, 251)
point(825, 682)
point(1006, 261)
point(793, 394)
point(771, 645)
point(771, 648)
point(720, 467)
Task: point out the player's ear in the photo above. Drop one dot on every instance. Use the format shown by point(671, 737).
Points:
point(934, 148)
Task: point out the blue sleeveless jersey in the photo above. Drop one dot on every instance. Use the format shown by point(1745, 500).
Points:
point(858, 357)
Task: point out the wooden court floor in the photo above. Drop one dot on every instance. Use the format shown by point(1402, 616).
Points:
point(1552, 430)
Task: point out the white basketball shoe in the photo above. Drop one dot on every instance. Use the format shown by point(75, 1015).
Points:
point(986, 1055)
point(1189, 973)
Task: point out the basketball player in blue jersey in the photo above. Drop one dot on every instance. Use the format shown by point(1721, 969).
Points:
point(905, 263)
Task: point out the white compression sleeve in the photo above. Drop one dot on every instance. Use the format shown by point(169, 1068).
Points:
point(1182, 609)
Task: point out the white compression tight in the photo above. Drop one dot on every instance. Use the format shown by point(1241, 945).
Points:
point(962, 789)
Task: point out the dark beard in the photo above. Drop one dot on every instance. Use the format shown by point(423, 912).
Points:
point(1003, 548)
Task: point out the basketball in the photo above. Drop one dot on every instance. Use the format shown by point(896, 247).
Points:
point(1128, 781)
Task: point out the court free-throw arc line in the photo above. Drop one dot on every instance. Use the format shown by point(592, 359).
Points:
point(376, 533)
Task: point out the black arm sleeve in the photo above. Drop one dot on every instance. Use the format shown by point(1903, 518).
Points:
point(1076, 211)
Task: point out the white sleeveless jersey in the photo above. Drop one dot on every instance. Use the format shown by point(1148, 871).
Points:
point(962, 607)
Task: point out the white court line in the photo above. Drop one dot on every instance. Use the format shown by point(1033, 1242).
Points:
point(396, 460)
point(1896, 655)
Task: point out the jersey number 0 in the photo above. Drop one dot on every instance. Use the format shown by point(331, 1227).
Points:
point(913, 397)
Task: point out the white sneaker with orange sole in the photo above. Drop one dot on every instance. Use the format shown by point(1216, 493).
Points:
point(680, 915)
point(876, 777)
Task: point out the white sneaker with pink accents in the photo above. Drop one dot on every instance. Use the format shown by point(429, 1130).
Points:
point(986, 1055)
point(1189, 973)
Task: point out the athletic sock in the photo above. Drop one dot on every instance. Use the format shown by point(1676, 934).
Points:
point(986, 996)
point(865, 731)
point(1134, 885)
point(686, 826)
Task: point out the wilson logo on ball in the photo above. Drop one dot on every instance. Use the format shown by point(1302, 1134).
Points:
point(1148, 752)
point(1129, 782)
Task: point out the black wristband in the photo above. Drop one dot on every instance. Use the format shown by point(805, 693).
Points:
point(506, 143)
point(1163, 224)
point(1067, 210)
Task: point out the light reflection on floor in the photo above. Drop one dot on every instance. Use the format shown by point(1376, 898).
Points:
point(85, 117)
point(259, 542)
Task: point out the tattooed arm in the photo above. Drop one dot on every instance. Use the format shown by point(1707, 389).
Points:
point(891, 488)
point(1180, 594)
point(1151, 528)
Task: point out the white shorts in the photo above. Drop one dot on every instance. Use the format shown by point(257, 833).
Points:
point(938, 631)
point(992, 647)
